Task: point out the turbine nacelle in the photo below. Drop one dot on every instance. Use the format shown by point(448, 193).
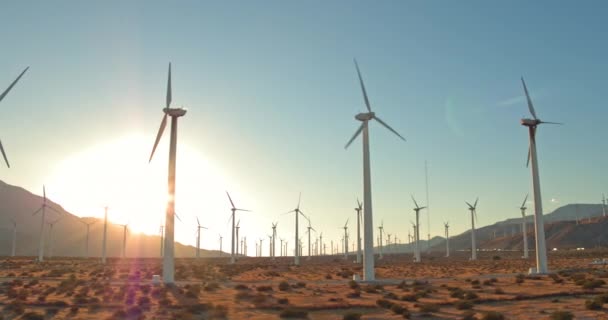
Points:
point(530, 122)
point(365, 116)
point(175, 112)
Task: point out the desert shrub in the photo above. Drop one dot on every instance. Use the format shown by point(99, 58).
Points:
point(593, 305)
point(294, 313)
point(499, 291)
point(390, 295)
point(398, 309)
point(243, 295)
point(241, 287)
point(603, 298)
point(409, 297)
point(495, 257)
point(212, 286)
point(469, 315)
point(593, 283)
point(284, 286)
point(199, 308)
point(301, 284)
point(383, 303)
point(219, 312)
point(353, 284)
point(15, 307)
point(429, 307)
point(164, 302)
point(561, 315)
point(32, 315)
point(463, 305)
point(520, 278)
point(493, 315)
point(74, 310)
point(51, 311)
point(474, 282)
point(470, 295)
point(487, 282)
point(283, 301)
point(264, 288)
point(328, 276)
point(354, 294)
point(134, 312)
point(352, 316)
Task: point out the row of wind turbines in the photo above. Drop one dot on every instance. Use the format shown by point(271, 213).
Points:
point(367, 255)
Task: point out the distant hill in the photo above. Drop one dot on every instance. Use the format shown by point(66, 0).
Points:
point(69, 234)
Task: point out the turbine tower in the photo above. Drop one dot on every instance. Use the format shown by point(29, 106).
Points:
point(198, 238)
point(297, 250)
point(174, 113)
point(358, 209)
point(86, 244)
point(346, 239)
point(417, 233)
point(105, 236)
point(274, 237)
point(235, 228)
point(523, 226)
point(381, 228)
point(42, 210)
point(446, 225)
point(221, 245)
point(603, 205)
point(124, 240)
point(541, 248)
point(1, 98)
point(368, 225)
point(473, 209)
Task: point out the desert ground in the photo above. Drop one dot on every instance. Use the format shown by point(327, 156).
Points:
point(494, 287)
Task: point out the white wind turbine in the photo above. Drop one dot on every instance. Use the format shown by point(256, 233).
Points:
point(447, 238)
point(169, 246)
point(541, 249)
point(221, 245)
point(274, 237)
point(414, 237)
point(321, 243)
point(473, 209)
point(381, 228)
point(368, 226)
point(603, 205)
point(86, 244)
point(124, 240)
point(51, 225)
point(281, 239)
point(313, 229)
point(298, 212)
point(269, 245)
point(235, 228)
point(358, 209)
point(523, 226)
point(198, 238)
point(346, 239)
point(1, 98)
point(42, 210)
point(417, 234)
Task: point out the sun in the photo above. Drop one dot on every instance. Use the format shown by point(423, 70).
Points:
point(117, 174)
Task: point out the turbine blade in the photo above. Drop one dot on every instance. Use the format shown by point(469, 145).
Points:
point(244, 210)
point(198, 222)
point(415, 203)
point(475, 205)
point(470, 206)
point(12, 84)
point(57, 211)
point(528, 159)
point(525, 199)
point(362, 87)
point(229, 198)
point(169, 97)
point(354, 136)
point(422, 208)
point(549, 122)
point(34, 213)
point(359, 203)
point(388, 127)
point(530, 106)
point(163, 124)
point(44, 192)
point(4, 155)
point(178, 218)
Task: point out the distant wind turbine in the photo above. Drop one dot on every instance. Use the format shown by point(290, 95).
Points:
point(235, 242)
point(603, 205)
point(124, 240)
point(532, 124)
point(381, 228)
point(274, 237)
point(368, 226)
point(42, 210)
point(473, 209)
point(198, 238)
point(523, 226)
point(358, 209)
point(1, 98)
point(313, 229)
point(51, 225)
point(174, 113)
point(417, 234)
point(346, 239)
point(86, 243)
point(298, 212)
point(447, 238)
point(221, 252)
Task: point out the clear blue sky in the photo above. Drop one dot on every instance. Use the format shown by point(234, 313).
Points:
point(272, 91)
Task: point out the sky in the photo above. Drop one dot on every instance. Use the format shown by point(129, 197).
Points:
point(271, 92)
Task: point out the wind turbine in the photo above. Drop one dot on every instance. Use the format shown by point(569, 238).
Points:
point(234, 209)
point(417, 234)
point(274, 237)
point(221, 245)
point(297, 212)
point(124, 240)
point(42, 209)
point(237, 227)
point(381, 228)
point(269, 245)
point(1, 98)
point(313, 229)
point(523, 226)
point(603, 205)
point(368, 227)
point(174, 113)
point(261, 241)
point(541, 248)
point(51, 225)
point(346, 239)
point(321, 243)
point(358, 210)
point(86, 244)
point(473, 209)
point(414, 236)
point(198, 238)
point(281, 239)
point(447, 238)
point(388, 243)
point(105, 236)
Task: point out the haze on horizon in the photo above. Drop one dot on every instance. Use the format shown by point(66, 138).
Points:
point(271, 93)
